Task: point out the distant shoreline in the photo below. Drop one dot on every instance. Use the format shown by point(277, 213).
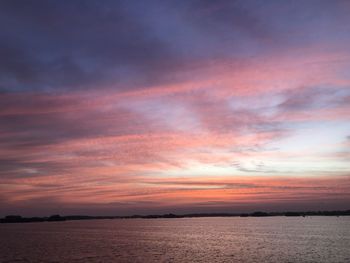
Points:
point(55, 218)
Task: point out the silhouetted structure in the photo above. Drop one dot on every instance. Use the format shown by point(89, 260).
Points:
point(20, 219)
point(260, 214)
point(56, 218)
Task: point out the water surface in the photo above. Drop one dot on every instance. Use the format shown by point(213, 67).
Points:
point(235, 239)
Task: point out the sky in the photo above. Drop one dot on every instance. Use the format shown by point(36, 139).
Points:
point(141, 107)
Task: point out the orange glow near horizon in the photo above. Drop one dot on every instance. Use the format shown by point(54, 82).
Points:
point(236, 126)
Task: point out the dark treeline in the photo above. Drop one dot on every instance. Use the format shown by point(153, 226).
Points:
point(20, 219)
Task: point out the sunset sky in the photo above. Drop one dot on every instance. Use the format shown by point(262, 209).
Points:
point(139, 107)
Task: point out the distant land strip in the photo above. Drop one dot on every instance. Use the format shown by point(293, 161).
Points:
point(20, 219)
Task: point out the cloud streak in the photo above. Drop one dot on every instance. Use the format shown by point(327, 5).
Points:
point(129, 107)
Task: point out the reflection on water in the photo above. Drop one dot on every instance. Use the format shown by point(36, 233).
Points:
point(272, 239)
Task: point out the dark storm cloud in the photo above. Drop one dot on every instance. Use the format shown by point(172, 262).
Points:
point(48, 45)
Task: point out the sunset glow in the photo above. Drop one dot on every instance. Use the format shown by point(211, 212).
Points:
point(120, 108)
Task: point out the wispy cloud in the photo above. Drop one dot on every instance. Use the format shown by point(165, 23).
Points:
point(128, 106)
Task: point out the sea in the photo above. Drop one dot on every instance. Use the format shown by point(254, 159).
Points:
point(214, 239)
